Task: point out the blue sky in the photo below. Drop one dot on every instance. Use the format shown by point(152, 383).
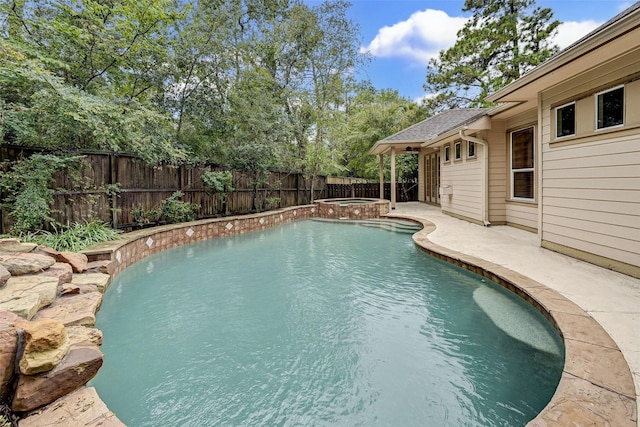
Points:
point(403, 34)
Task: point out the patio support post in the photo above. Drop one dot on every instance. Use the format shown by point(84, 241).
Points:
point(381, 176)
point(393, 177)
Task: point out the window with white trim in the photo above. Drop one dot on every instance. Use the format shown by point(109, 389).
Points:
point(610, 108)
point(447, 153)
point(566, 120)
point(457, 151)
point(522, 164)
point(471, 149)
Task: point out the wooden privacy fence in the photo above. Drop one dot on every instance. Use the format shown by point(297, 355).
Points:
point(405, 192)
point(115, 185)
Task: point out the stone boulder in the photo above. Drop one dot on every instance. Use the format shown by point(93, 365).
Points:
point(4, 275)
point(101, 266)
point(77, 261)
point(25, 295)
point(8, 348)
point(46, 343)
point(25, 263)
point(83, 407)
point(81, 335)
point(98, 279)
point(15, 245)
point(73, 309)
point(74, 371)
point(46, 250)
point(61, 270)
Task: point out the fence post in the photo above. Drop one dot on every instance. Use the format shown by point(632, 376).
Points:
point(113, 196)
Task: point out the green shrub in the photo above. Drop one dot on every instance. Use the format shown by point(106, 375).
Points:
point(173, 210)
point(219, 183)
point(28, 195)
point(74, 238)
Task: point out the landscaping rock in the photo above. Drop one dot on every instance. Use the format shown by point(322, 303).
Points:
point(46, 343)
point(73, 310)
point(81, 335)
point(61, 270)
point(46, 250)
point(25, 295)
point(75, 370)
point(15, 245)
point(101, 266)
point(4, 275)
point(77, 261)
point(83, 408)
point(98, 279)
point(69, 289)
point(8, 348)
point(25, 263)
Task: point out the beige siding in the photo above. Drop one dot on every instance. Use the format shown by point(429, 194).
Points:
point(464, 177)
point(523, 215)
point(498, 183)
point(591, 183)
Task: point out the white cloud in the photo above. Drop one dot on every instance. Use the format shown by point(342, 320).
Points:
point(425, 33)
point(571, 31)
point(419, 38)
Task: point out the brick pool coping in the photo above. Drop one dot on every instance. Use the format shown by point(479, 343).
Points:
point(596, 386)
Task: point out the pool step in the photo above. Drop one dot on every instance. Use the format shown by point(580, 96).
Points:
point(397, 226)
point(391, 225)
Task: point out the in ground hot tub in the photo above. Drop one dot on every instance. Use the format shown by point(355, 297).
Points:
point(352, 208)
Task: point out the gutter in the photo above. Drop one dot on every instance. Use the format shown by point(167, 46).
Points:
point(484, 185)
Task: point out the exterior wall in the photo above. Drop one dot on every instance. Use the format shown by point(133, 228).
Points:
point(591, 181)
point(498, 184)
point(517, 213)
point(464, 178)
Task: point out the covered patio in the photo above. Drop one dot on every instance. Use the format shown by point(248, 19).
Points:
point(417, 139)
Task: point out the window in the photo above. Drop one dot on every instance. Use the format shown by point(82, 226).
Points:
point(522, 164)
point(447, 153)
point(457, 151)
point(471, 149)
point(566, 120)
point(610, 108)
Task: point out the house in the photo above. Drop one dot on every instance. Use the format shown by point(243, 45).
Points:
point(559, 155)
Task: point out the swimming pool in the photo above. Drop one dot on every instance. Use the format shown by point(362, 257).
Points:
point(319, 324)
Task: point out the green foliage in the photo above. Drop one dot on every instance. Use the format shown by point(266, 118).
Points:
point(271, 202)
point(173, 210)
point(27, 187)
point(112, 190)
point(374, 115)
point(219, 183)
point(74, 238)
point(502, 40)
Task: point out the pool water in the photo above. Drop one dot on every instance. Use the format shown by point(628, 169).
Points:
point(320, 324)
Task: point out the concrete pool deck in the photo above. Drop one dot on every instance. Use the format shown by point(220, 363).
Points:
point(611, 298)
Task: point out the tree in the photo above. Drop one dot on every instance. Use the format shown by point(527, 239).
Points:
point(502, 40)
point(84, 75)
point(373, 115)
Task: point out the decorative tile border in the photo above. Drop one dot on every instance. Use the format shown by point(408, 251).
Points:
point(139, 244)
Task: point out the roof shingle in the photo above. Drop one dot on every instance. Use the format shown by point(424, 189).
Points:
point(436, 125)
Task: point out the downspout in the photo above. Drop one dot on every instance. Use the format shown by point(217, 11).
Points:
point(485, 174)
